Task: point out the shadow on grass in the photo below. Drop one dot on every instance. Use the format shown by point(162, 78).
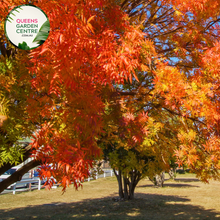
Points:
point(179, 185)
point(144, 206)
point(189, 180)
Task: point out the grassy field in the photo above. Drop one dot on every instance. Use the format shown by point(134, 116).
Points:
point(185, 198)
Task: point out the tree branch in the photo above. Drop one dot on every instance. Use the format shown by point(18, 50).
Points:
point(18, 174)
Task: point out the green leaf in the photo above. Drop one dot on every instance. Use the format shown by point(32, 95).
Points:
point(19, 7)
point(23, 46)
point(43, 33)
point(17, 10)
point(45, 27)
point(9, 18)
point(41, 36)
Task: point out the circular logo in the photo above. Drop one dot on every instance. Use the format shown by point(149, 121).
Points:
point(27, 27)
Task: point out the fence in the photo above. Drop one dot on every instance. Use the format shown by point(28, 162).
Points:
point(105, 174)
point(25, 182)
point(38, 181)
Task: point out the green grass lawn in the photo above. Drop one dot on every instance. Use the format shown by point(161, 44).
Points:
point(186, 198)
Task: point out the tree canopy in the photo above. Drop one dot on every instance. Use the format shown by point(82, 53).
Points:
point(142, 76)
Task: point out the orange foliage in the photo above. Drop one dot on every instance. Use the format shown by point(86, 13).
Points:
point(92, 45)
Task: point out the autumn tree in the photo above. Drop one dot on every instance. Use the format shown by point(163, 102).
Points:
point(71, 123)
point(177, 91)
point(150, 67)
point(185, 35)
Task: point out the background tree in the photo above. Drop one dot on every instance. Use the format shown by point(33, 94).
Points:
point(185, 35)
point(176, 90)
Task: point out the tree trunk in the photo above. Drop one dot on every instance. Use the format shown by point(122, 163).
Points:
point(18, 174)
point(131, 190)
point(158, 179)
point(119, 178)
point(135, 178)
point(162, 176)
point(126, 183)
point(126, 190)
point(172, 173)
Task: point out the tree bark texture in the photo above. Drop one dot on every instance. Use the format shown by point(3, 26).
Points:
point(127, 183)
point(158, 179)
